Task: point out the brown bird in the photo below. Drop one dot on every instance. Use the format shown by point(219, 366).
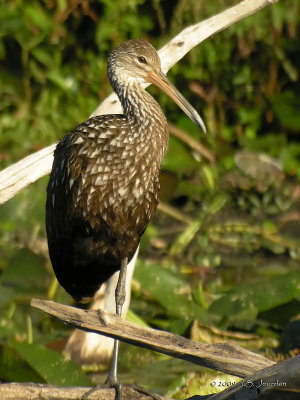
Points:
point(104, 184)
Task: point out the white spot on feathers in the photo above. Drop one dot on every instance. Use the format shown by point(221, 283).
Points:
point(94, 153)
point(137, 192)
point(78, 140)
point(104, 135)
point(71, 183)
point(122, 191)
point(137, 182)
point(98, 181)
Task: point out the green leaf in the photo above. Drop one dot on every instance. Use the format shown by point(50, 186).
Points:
point(25, 263)
point(253, 298)
point(14, 368)
point(135, 319)
point(178, 158)
point(185, 237)
point(6, 294)
point(38, 17)
point(52, 366)
point(286, 107)
point(173, 293)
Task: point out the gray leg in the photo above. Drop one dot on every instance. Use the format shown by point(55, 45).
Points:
point(120, 295)
point(121, 287)
point(112, 379)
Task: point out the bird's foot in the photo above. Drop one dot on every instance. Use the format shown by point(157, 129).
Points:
point(110, 383)
point(116, 384)
point(118, 388)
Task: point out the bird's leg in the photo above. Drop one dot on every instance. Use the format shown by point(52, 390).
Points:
point(112, 379)
point(120, 295)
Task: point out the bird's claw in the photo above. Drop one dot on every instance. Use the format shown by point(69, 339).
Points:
point(114, 383)
point(110, 383)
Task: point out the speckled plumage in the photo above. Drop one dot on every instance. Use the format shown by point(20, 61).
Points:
point(104, 185)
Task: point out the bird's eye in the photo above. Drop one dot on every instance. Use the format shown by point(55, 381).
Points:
point(142, 60)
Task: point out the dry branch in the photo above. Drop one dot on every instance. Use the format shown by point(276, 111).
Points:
point(191, 142)
point(26, 171)
point(31, 168)
point(268, 379)
point(223, 357)
point(35, 391)
point(279, 381)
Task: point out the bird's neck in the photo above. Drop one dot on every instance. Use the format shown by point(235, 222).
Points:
point(148, 122)
point(140, 107)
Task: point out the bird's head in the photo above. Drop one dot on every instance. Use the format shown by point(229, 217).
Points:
point(138, 60)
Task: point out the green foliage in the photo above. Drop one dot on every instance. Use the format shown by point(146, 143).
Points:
point(234, 263)
point(176, 296)
point(23, 361)
point(251, 299)
point(25, 263)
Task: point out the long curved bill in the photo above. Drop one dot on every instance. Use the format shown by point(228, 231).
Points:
point(161, 81)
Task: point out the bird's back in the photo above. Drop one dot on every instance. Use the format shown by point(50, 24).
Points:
point(102, 192)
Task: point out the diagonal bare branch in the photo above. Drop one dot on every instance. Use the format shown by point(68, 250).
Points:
point(16, 177)
point(223, 357)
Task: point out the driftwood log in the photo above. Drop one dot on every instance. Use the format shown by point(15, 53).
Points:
point(280, 381)
point(226, 358)
point(277, 382)
point(263, 378)
point(35, 391)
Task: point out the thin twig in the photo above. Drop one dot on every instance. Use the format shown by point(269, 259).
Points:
point(191, 142)
point(174, 213)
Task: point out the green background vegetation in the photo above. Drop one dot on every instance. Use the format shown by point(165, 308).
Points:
point(232, 260)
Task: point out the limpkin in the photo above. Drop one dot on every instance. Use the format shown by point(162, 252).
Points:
point(104, 184)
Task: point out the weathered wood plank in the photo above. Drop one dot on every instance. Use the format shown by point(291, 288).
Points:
point(223, 357)
point(36, 391)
